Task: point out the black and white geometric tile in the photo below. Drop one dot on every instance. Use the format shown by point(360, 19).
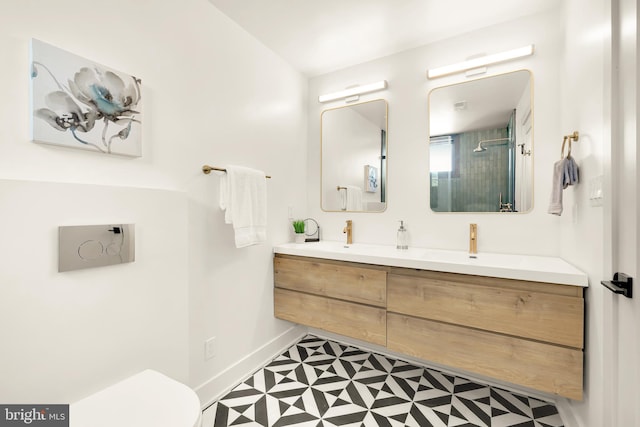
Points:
point(323, 383)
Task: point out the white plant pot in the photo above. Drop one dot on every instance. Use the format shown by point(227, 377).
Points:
point(300, 237)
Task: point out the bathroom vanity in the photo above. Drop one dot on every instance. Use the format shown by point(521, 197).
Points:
point(514, 318)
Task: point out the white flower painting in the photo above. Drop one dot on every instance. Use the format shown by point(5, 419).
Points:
point(80, 104)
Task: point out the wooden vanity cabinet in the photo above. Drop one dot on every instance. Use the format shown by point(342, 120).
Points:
point(526, 333)
point(345, 298)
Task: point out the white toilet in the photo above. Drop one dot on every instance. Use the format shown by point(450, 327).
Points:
point(147, 399)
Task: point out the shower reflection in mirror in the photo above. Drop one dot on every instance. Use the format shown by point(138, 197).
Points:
point(480, 145)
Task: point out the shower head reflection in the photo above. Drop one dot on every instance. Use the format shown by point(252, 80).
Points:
point(479, 148)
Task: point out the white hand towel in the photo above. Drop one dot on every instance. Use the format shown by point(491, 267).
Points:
point(354, 198)
point(555, 206)
point(243, 197)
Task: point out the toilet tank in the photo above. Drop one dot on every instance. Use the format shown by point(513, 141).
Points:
point(147, 399)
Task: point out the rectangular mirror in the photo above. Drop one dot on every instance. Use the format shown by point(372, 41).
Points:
point(353, 163)
point(480, 145)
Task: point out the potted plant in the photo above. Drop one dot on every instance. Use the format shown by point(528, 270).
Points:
point(298, 227)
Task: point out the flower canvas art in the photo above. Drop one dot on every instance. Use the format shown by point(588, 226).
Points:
point(80, 104)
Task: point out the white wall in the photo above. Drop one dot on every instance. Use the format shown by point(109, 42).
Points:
point(408, 185)
point(584, 108)
point(212, 94)
point(68, 334)
point(253, 114)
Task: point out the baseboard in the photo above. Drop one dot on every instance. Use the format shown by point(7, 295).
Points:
point(566, 413)
point(222, 383)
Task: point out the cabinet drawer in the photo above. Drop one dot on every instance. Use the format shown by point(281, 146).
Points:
point(520, 312)
point(537, 365)
point(350, 282)
point(353, 320)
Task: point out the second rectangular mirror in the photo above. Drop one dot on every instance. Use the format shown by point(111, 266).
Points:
point(480, 150)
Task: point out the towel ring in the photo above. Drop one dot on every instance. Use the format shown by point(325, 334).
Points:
point(574, 136)
point(564, 142)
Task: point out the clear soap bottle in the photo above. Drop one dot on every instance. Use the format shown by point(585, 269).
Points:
point(403, 239)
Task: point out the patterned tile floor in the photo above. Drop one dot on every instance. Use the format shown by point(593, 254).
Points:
point(322, 383)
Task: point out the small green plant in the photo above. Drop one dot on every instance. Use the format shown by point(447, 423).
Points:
point(298, 226)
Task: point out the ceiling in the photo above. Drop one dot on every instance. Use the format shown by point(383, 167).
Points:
point(487, 103)
point(320, 36)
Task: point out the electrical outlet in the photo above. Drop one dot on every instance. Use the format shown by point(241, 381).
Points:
point(596, 190)
point(210, 348)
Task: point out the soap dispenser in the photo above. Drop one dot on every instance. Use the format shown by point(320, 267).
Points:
point(403, 238)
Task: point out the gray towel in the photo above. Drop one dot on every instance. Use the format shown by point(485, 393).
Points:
point(555, 206)
point(570, 176)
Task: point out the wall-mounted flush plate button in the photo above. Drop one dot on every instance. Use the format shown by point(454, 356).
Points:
point(89, 246)
point(91, 249)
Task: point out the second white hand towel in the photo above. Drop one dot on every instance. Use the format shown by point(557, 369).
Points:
point(555, 205)
point(243, 197)
point(354, 198)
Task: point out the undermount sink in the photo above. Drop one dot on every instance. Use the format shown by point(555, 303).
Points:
point(486, 258)
point(511, 266)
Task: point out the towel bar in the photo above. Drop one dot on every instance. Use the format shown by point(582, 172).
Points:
point(206, 169)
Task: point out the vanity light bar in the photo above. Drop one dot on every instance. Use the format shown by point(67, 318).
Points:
point(480, 62)
point(358, 90)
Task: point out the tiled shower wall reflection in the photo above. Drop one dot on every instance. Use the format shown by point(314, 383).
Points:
point(477, 178)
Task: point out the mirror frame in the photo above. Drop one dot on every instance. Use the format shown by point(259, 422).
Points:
point(384, 175)
point(530, 149)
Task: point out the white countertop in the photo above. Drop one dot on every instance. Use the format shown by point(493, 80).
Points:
point(523, 267)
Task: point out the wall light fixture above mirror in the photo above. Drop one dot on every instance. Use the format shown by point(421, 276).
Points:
point(355, 91)
point(353, 157)
point(480, 62)
point(480, 145)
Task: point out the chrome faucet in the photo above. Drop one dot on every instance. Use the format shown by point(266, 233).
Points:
point(349, 231)
point(473, 240)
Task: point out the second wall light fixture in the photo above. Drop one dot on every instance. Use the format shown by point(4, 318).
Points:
point(353, 91)
point(481, 61)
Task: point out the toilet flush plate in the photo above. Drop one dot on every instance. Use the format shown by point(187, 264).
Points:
point(90, 246)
